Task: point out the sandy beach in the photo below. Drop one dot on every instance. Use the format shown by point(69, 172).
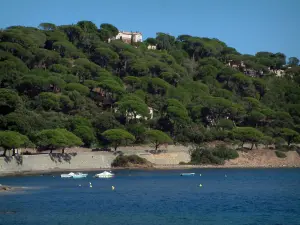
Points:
point(83, 159)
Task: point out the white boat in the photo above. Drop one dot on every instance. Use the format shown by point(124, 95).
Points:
point(69, 175)
point(74, 175)
point(104, 174)
point(80, 175)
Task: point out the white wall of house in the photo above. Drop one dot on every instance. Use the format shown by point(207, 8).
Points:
point(124, 35)
point(279, 73)
point(130, 115)
point(153, 47)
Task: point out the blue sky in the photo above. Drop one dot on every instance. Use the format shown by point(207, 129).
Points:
point(247, 25)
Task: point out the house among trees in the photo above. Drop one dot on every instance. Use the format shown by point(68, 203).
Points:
point(236, 64)
point(152, 47)
point(130, 115)
point(277, 72)
point(129, 37)
point(241, 66)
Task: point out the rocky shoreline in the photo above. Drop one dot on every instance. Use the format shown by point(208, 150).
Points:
point(5, 188)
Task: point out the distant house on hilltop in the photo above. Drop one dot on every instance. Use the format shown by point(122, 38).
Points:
point(242, 67)
point(153, 47)
point(129, 37)
point(278, 73)
point(236, 64)
point(134, 115)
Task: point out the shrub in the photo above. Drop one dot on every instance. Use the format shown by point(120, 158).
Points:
point(202, 155)
point(280, 154)
point(286, 148)
point(223, 152)
point(130, 160)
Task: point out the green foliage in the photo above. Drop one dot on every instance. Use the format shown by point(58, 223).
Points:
point(48, 101)
point(247, 134)
point(199, 88)
point(280, 154)
point(223, 152)
point(203, 155)
point(66, 49)
point(12, 140)
point(86, 134)
point(107, 31)
point(77, 87)
point(87, 26)
point(267, 140)
point(225, 124)
point(129, 161)
point(47, 26)
point(138, 130)
point(112, 86)
point(117, 137)
point(9, 100)
point(56, 138)
point(131, 106)
point(279, 142)
point(289, 135)
point(157, 137)
point(83, 128)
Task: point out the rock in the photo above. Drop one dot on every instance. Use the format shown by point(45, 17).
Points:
point(5, 188)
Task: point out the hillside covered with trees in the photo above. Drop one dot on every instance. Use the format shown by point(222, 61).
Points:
point(63, 86)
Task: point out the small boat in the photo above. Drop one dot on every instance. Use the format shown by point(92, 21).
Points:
point(104, 174)
point(69, 175)
point(187, 174)
point(74, 175)
point(79, 175)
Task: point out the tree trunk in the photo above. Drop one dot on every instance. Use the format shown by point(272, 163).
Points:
point(125, 65)
point(14, 152)
point(51, 151)
point(289, 141)
point(4, 153)
point(252, 146)
point(156, 146)
point(63, 151)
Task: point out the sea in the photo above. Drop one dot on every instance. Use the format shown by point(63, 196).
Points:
point(156, 197)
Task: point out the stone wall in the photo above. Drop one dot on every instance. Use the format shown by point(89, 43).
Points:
point(45, 162)
point(173, 158)
point(81, 161)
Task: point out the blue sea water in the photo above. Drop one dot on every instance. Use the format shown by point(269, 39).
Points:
point(160, 197)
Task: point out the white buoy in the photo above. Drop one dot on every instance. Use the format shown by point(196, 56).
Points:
point(200, 185)
point(200, 174)
point(91, 185)
point(112, 188)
